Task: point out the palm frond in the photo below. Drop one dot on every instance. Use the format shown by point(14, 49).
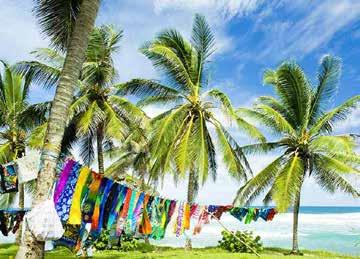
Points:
point(57, 20)
point(37, 136)
point(339, 113)
point(328, 77)
point(86, 148)
point(167, 62)
point(333, 144)
point(261, 148)
point(255, 186)
point(160, 100)
point(145, 88)
point(39, 73)
point(336, 165)
point(233, 156)
point(288, 183)
point(202, 38)
point(294, 90)
point(332, 181)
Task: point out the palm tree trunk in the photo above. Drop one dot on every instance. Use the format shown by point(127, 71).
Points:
point(100, 153)
point(295, 241)
point(21, 206)
point(190, 199)
point(75, 56)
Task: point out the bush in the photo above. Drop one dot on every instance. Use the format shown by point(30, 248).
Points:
point(232, 244)
point(125, 243)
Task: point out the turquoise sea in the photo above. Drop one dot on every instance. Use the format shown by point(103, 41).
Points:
point(320, 228)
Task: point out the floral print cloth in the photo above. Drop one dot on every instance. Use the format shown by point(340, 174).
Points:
point(63, 204)
point(9, 180)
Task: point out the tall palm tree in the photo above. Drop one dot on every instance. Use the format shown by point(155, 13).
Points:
point(97, 114)
point(300, 117)
point(181, 141)
point(100, 115)
point(17, 119)
point(55, 21)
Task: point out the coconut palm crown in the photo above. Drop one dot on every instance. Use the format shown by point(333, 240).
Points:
point(299, 116)
point(17, 119)
point(97, 114)
point(181, 139)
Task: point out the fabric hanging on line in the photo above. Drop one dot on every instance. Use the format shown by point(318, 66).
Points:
point(10, 220)
point(90, 199)
point(104, 197)
point(75, 209)
point(28, 166)
point(61, 183)
point(124, 211)
point(8, 179)
point(63, 204)
point(129, 218)
point(110, 203)
point(145, 227)
point(116, 206)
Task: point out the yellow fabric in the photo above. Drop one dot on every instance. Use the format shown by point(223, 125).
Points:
point(187, 216)
point(75, 209)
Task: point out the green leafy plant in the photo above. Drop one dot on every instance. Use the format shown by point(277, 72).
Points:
point(102, 243)
point(248, 243)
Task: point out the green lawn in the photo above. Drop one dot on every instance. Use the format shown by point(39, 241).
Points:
point(8, 251)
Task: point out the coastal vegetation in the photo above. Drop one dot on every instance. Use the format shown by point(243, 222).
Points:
point(93, 110)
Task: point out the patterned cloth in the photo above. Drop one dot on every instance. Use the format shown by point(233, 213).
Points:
point(8, 181)
point(10, 220)
point(63, 204)
point(28, 166)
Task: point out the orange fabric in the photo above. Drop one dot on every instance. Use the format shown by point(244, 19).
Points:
point(125, 208)
point(145, 227)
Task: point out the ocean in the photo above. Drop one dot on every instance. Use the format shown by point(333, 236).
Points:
point(334, 229)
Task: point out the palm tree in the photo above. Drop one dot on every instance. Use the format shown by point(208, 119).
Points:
point(100, 115)
point(299, 116)
point(56, 17)
point(180, 140)
point(17, 119)
point(133, 155)
point(97, 115)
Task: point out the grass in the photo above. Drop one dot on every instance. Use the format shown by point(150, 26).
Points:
point(9, 251)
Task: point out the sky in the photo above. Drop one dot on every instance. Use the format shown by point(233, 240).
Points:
point(251, 36)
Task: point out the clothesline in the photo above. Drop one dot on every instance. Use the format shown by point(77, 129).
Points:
point(88, 203)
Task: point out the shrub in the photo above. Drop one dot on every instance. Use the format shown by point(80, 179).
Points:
point(125, 243)
point(232, 244)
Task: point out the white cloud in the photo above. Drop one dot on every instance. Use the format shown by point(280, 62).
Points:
point(351, 124)
point(18, 30)
point(225, 8)
point(286, 38)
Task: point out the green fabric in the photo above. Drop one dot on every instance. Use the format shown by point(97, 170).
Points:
point(250, 215)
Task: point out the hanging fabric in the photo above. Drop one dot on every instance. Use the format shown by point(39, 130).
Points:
point(63, 204)
point(89, 202)
point(8, 179)
point(28, 166)
point(10, 220)
point(75, 209)
point(44, 222)
point(90, 198)
point(61, 183)
point(116, 206)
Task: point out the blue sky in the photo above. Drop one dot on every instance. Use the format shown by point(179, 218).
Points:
point(251, 35)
